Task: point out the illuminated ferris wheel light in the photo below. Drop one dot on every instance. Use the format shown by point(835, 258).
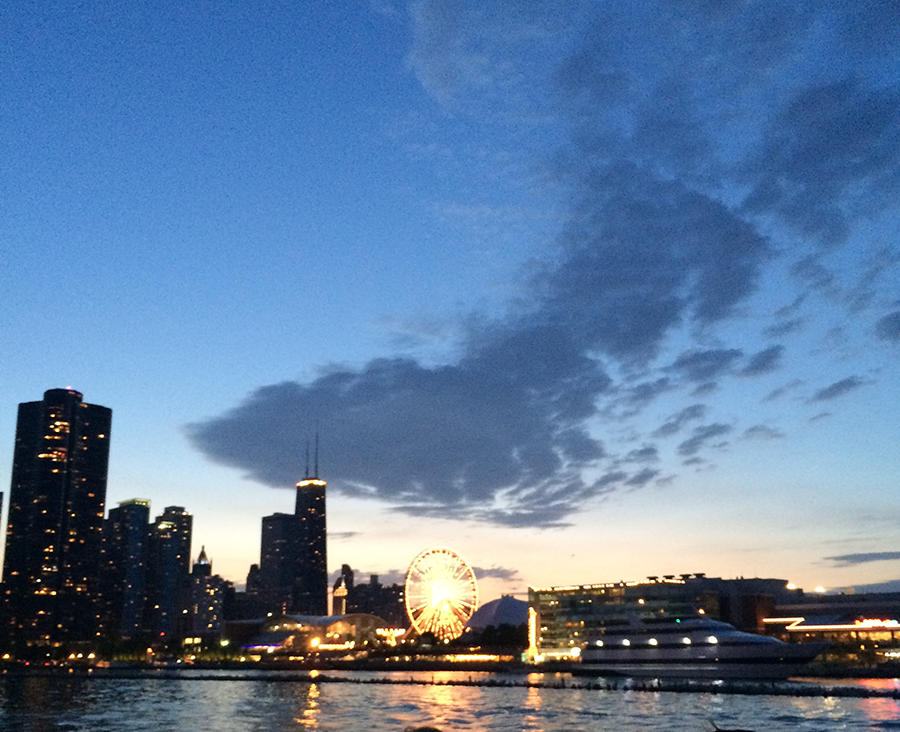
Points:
point(441, 593)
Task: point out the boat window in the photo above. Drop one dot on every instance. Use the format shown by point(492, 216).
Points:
point(626, 642)
point(713, 639)
point(653, 642)
point(686, 641)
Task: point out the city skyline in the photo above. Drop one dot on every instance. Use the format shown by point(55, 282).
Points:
point(583, 296)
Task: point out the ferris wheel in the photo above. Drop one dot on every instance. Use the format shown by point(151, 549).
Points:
point(441, 593)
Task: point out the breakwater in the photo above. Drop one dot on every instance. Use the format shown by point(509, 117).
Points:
point(810, 688)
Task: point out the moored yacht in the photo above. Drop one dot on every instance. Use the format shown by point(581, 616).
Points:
point(694, 647)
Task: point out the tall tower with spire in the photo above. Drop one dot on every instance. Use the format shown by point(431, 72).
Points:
point(293, 570)
point(311, 588)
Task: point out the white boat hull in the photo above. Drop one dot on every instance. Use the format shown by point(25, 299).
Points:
point(693, 652)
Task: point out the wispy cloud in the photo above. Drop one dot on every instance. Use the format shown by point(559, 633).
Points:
point(847, 560)
point(676, 422)
point(502, 573)
point(762, 432)
point(764, 362)
point(837, 389)
point(702, 436)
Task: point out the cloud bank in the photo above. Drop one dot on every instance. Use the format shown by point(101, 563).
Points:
point(705, 146)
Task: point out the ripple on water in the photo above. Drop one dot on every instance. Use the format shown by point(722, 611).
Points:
point(254, 705)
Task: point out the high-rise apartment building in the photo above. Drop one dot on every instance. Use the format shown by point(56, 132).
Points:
point(51, 570)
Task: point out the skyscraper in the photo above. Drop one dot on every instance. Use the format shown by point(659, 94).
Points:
point(278, 561)
point(207, 600)
point(51, 571)
point(125, 553)
point(168, 577)
point(293, 571)
point(311, 586)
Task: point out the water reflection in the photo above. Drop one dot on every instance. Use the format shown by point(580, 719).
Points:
point(251, 704)
point(881, 710)
point(310, 715)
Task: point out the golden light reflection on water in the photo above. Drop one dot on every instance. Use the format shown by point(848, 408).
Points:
point(440, 699)
point(532, 706)
point(310, 716)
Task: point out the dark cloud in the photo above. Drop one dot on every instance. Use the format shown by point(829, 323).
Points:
point(677, 421)
point(782, 391)
point(830, 142)
point(705, 389)
point(785, 327)
point(701, 437)
point(641, 478)
point(705, 365)
point(838, 388)
point(611, 479)
point(505, 422)
point(341, 535)
point(764, 362)
point(888, 327)
point(642, 256)
point(633, 399)
point(646, 454)
point(762, 432)
point(849, 560)
point(502, 573)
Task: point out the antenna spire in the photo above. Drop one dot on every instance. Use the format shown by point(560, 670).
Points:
point(316, 470)
point(306, 470)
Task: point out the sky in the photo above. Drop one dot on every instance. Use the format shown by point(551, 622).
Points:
point(584, 291)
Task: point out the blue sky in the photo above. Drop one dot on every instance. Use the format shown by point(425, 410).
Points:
point(586, 292)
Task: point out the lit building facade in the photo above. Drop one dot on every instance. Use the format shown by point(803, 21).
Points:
point(302, 636)
point(343, 585)
point(562, 618)
point(52, 565)
point(864, 628)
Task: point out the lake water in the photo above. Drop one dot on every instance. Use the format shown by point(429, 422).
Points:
point(247, 702)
